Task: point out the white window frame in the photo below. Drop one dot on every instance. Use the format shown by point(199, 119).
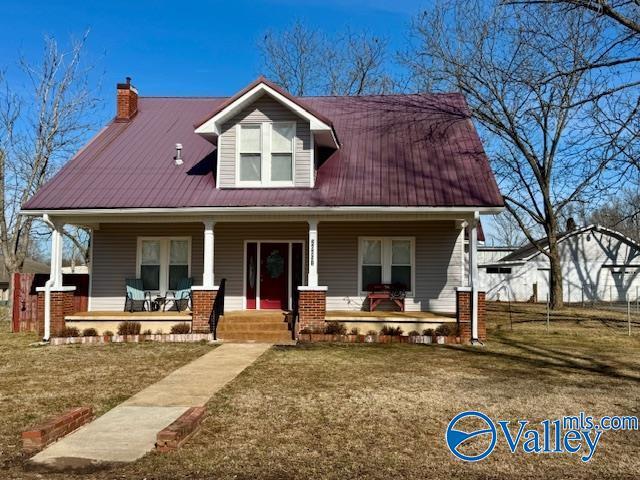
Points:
point(165, 243)
point(265, 170)
point(386, 252)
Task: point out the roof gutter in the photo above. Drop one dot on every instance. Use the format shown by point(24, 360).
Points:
point(253, 210)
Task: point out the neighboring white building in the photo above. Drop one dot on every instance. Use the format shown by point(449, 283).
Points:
point(598, 264)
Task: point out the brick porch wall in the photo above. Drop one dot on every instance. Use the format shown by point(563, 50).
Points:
point(61, 305)
point(202, 305)
point(463, 314)
point(312, 307)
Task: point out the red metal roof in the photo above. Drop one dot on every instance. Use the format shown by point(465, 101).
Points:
point(396, 150)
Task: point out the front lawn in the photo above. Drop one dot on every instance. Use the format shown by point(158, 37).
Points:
point(36, 382)
point(371, 411)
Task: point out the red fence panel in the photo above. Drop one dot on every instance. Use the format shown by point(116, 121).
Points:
point(25, 297)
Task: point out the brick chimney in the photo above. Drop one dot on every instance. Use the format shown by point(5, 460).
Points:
point(127, 103)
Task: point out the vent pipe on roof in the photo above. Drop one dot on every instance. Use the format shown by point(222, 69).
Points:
point(178, 157)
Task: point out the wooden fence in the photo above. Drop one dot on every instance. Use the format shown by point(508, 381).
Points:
point(25, 298)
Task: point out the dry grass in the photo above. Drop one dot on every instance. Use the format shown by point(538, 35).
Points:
point(380, 411)
point(37, 382)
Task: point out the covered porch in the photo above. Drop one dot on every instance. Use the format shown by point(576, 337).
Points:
point(318, 268)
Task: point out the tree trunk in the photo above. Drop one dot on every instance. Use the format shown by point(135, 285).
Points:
point(555, 275)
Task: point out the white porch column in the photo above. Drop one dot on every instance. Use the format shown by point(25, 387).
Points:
point(473, 274)
point(207, 276)
point(56, 256)
point(312, 274)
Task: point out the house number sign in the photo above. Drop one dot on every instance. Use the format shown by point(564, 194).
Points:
point(313, 251)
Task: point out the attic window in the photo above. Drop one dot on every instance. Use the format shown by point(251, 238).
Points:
point(266, 154)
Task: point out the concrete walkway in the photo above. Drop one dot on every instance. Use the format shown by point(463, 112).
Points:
point(128, 431)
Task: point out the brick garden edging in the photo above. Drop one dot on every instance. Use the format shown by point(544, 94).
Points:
point(419, 339)
point(41, 435)
point(176, 434)
point(160, 338)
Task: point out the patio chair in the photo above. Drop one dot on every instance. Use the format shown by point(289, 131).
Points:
point(137, 300)
point(182, 294)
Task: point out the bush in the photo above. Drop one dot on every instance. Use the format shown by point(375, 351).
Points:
point(391, 331)
point(129, 328)
point(428, 332)
point(70, 332)
point(335, 328)
point(147, 332)
point(354, 331)
point(107, 333)
point(414, 333)
point(444, 330)
point(372, 332)
point(181, 328)
point(89, 332)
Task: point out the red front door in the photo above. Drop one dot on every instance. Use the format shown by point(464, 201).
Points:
point(274, 275)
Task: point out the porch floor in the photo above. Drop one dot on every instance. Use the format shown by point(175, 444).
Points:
point(98, 316)
point(379, 316)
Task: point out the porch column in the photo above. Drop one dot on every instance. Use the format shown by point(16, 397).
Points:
point(312, 274)
point(312, 299)
point(473, 274)
point(54, 299)
point(208, 275)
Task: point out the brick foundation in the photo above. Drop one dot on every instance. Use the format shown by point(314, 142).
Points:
point(312, 307)
point(463, 315)
point(173, 436)
point(41, 435)
point(202, 305)
point(61, 305)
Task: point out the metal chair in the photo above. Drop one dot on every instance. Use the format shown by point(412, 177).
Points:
point(137, 300)
point(181, 294)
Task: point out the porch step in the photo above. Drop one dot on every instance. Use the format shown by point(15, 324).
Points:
point(255, 336)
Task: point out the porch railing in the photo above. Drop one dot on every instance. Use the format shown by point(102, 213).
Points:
point(218, 309)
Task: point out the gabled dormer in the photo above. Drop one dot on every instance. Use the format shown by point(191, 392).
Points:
point(266, 138)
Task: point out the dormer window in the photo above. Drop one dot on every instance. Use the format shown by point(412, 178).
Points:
point(266, 154)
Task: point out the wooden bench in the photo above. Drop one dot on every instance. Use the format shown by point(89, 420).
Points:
point(385, 291)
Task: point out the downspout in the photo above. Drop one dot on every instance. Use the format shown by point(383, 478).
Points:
point(49, 283)
point(473, 267)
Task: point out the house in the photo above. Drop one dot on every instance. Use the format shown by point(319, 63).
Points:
point(300, 203)
point(598, 265)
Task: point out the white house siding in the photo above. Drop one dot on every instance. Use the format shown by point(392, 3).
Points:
point(438, 259)
point(114, 257)
point(438, 269)
point(596, 266)
point(265, 109)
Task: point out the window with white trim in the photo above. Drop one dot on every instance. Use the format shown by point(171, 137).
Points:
point(163, 262)
point(266, 154)
point(386, 260)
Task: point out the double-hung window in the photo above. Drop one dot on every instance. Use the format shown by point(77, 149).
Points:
point(163, 262)
point(386, 260)
point(266, 154)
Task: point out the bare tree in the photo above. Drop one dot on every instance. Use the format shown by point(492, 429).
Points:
point(548, 150)
point(506, 231)
point(40, 127)
point(306, 62)
point(620, 214)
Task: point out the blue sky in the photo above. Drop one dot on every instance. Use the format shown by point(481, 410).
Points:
point(184, 48)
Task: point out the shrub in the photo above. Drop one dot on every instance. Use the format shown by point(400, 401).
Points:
point(428, 332)
point(414, 333)
point(70, 332)
point(335, 328)
point(181, 328)
point(89, 332)
point(372, 332)
point(129, 328)
point(107, 333)
point(159, 332)
point(444, 330)
point(147, 332)
point(391, 331)
point(354, 331)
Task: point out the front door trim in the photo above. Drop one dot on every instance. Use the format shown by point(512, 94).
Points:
point(289, 273)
